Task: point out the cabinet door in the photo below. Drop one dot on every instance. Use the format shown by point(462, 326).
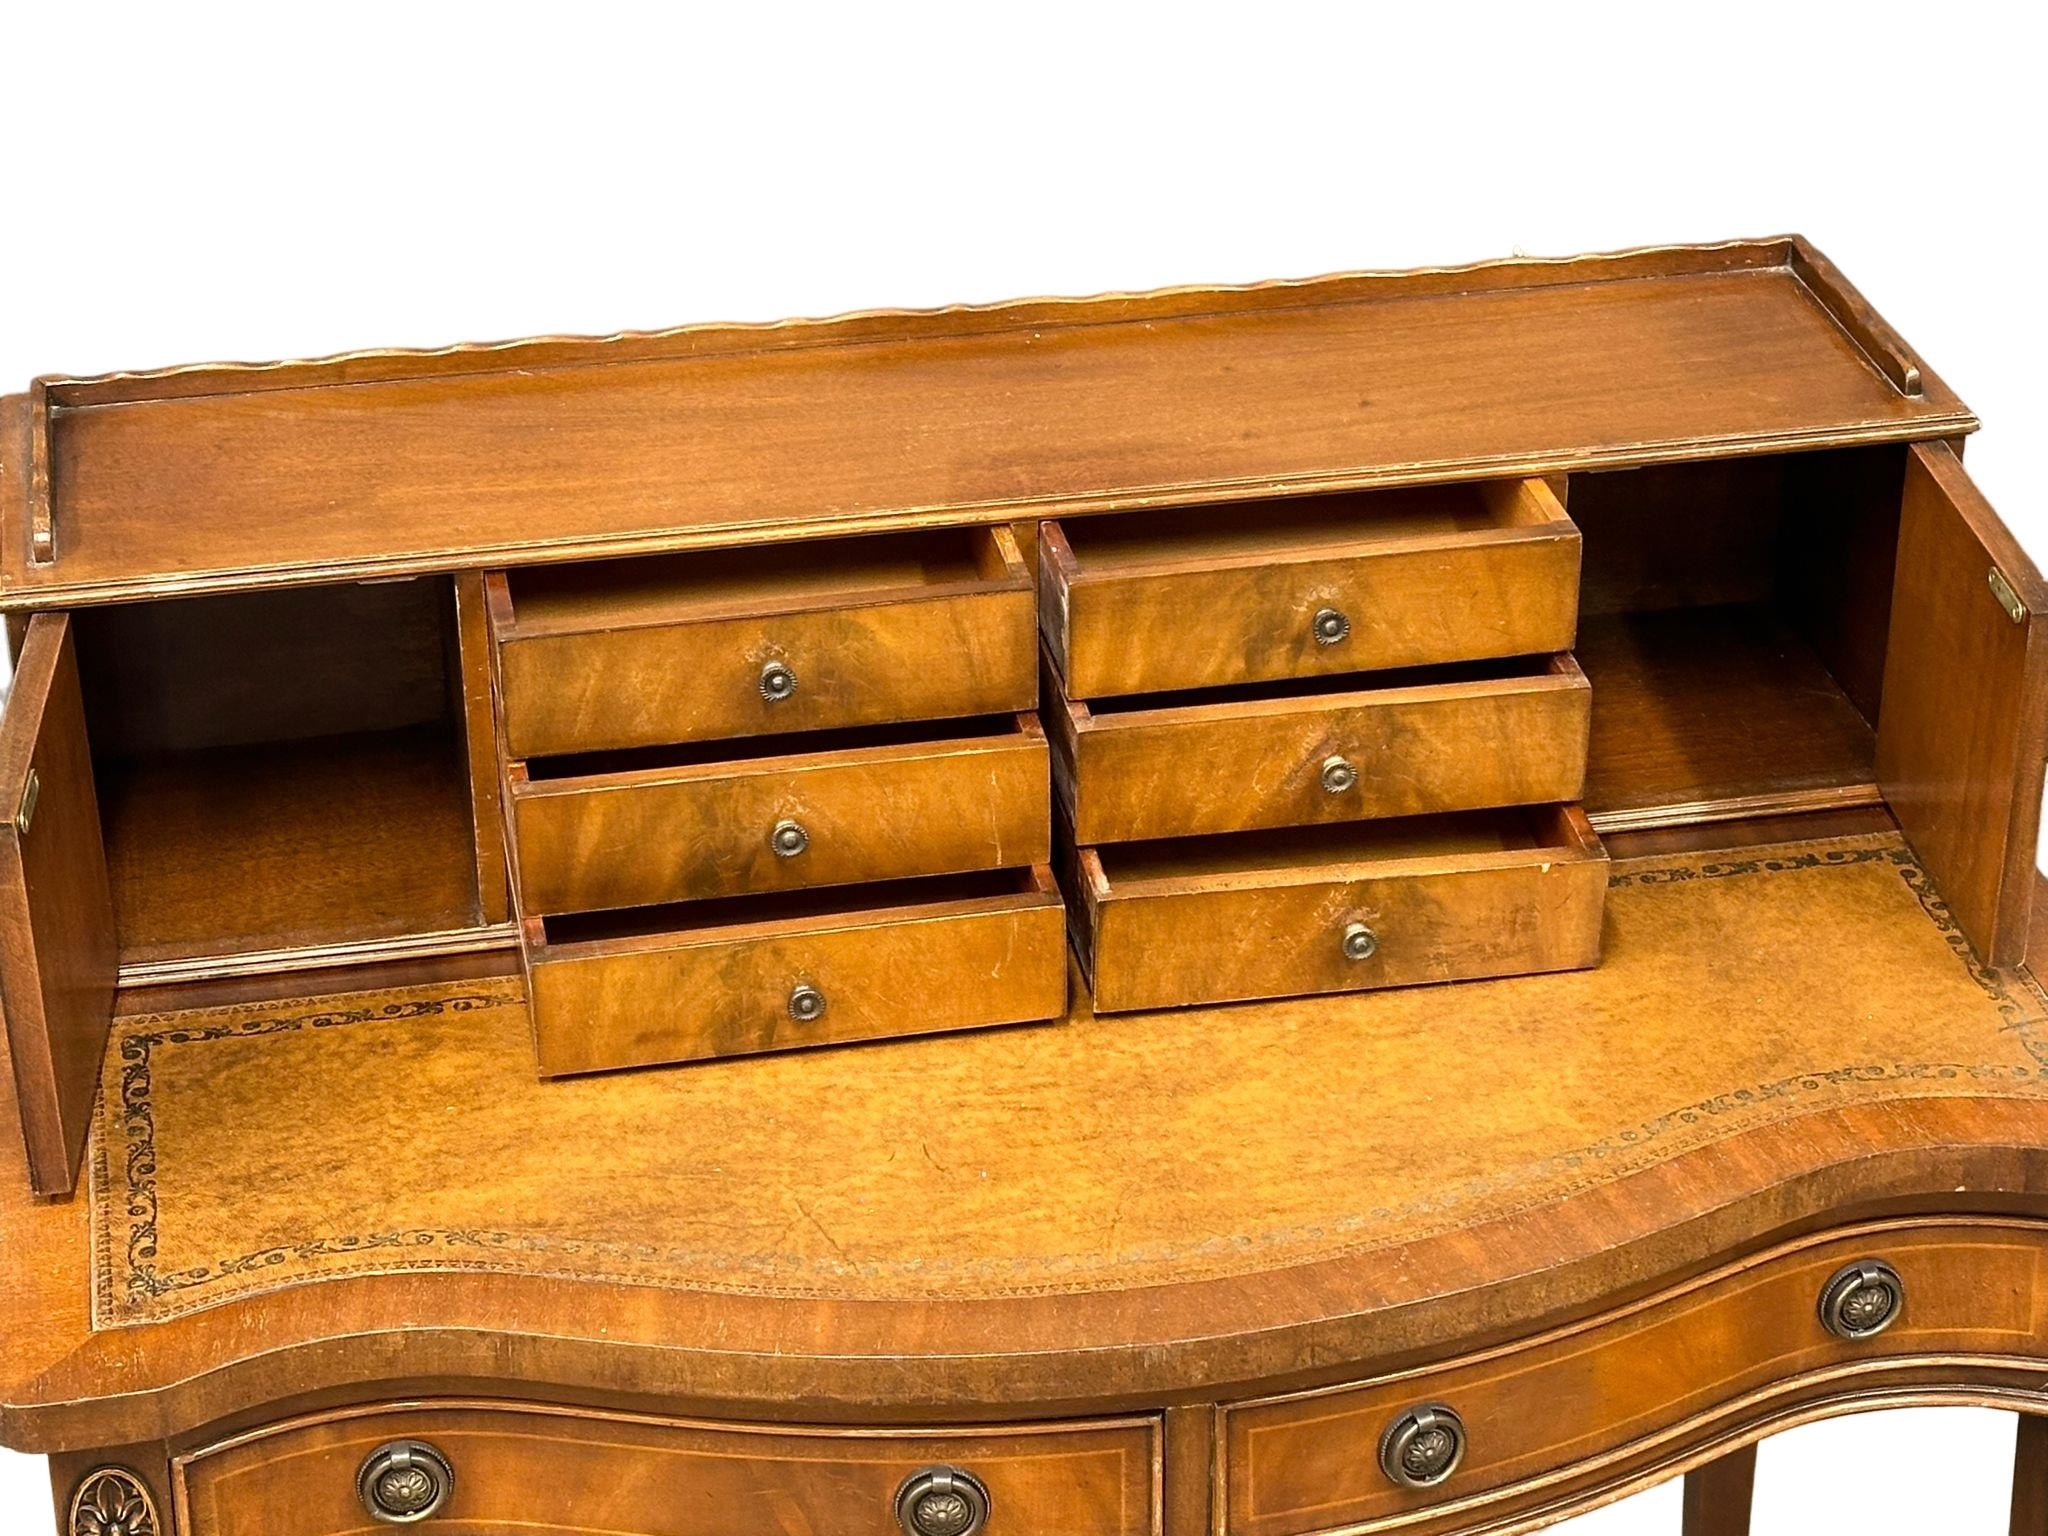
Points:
point(1963, 724)
point(57, 952)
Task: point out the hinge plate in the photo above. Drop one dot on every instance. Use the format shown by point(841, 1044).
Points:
point(2008, 599)
point(31, 792)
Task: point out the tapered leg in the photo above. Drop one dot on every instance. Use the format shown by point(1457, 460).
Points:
point(2030, 1478)
point(1717, 1495)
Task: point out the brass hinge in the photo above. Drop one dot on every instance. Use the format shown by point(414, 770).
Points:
point(2008, 599)
point(31, 792)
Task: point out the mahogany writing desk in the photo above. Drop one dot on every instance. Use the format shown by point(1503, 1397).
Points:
point(1416, 890)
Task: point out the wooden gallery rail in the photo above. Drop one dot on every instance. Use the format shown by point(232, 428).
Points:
point(1399, 903)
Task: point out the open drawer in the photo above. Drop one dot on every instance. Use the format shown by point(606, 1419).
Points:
point(1401, 744)
point(884, 803)
point(1201, 597)
point(743, 642)
point(1340, 909)
point(728, 978)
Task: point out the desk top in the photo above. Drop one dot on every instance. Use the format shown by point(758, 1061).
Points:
point(374, 1188)
point(378, 463)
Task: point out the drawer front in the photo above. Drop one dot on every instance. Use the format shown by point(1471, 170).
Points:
point(933, 658)
point(781, 985)
point(783, 823)
point(1507, 592)
point(1639, 1383)
point(1214, 945)
point(1337, 757)
point(562, 1473)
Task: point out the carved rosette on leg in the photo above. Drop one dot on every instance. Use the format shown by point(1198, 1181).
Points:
point(112, 1501)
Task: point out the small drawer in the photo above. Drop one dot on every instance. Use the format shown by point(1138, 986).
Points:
point(729, 978)
point(1204, 597)
point(1309, 586)
point(1495, 1438)
point(743, 642)
point(563, 1470)
point(886, 803)
point(1340, 909)
point(1452, 739)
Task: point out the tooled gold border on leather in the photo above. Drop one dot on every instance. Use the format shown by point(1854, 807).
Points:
point(133, 1296)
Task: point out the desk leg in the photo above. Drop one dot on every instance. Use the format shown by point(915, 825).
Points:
point(1717, 1495)
point(2030, 1478)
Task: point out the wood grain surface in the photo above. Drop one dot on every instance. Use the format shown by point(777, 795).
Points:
point(385, 462)
point(1645, 1373)
point(1167, 1270)
point(291, 845)
point(470, 673)
point(935, 805)
point(1963, 734)
point(919, 627)
point(1269, 914)
point(57, 944)
point(1703, 713)
point(709, 979)
point(1196, 597)
point(583, 1473)
point(1410, 745)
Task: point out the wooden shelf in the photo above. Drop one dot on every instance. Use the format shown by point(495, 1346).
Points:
point(563, 449)
point(1703, 714)
point(339, 840)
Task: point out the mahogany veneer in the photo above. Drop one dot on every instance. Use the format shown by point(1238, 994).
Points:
point(1542, 761)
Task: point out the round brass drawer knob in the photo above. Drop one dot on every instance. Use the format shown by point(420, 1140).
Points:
point(404, 1481)
point(942, 1501)
point(778, 682)
point(1863, 1299)
point(806, 1003)
point(1338, 775)
point(1330, 626)
point(1360, 942)
point(788, 839)
point(1423, 1446)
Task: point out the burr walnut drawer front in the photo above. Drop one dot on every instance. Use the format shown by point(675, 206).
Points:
point(1340, 909)
point(483, 1468)
point(794, 637)
point(729, 978)
point(1495, 1435)
point(881, 804)
point(1200, 597)
point(1500, 733)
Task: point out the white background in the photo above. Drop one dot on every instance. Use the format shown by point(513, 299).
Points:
point(186, 185)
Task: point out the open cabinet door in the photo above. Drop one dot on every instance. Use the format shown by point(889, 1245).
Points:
point(1963, 725)
point(58, 959)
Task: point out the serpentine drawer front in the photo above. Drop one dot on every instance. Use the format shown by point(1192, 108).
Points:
point(482, 1469)
point(1635, 1386)
point(1504, 733)
point(938, 800)
point(742, 642)
point(1199, 597)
